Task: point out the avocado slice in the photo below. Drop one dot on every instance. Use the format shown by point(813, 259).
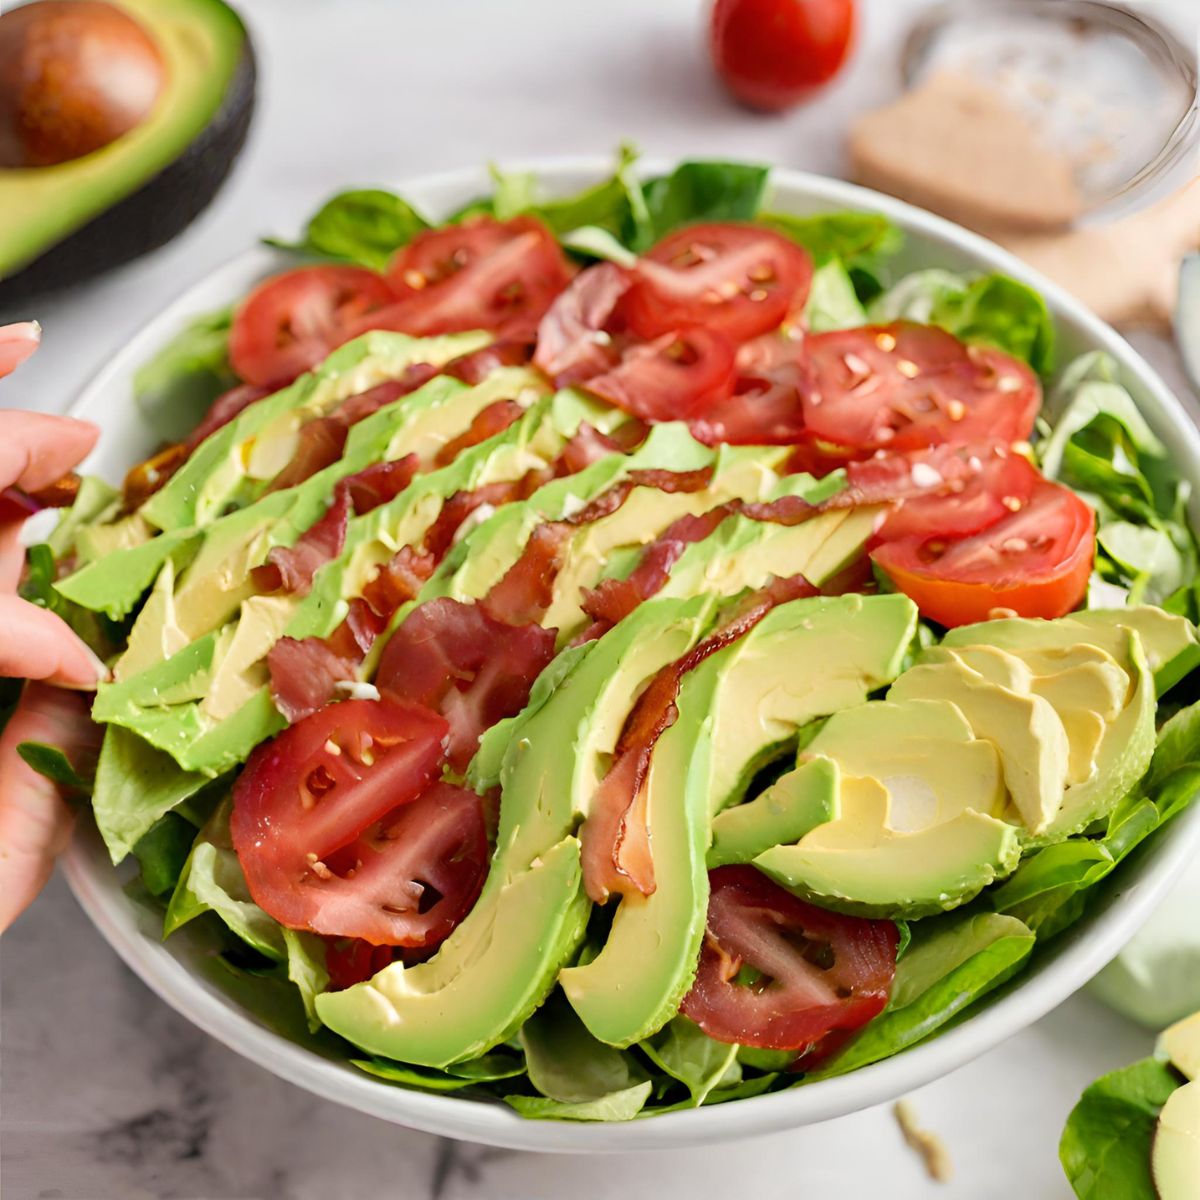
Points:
point(1024, 728)
point(1180, 1044)
point(68, 222)
point(1175, 1159)
point(1169, 641)
point(217, 470)
point(531, 914)
point(917, 826)
point(805, 659)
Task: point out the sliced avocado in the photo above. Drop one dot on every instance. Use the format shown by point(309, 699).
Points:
point(1170, 643)
point(96, 542)
point(917, 826)
point(634, 985)
point(200, 490)
point(1025, 730)
point(1180, 1044)
point(502, 960)
point(67, 222)
point(1175, 1159)
point(792, 806)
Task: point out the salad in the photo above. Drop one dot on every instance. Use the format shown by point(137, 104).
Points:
point(617, 653)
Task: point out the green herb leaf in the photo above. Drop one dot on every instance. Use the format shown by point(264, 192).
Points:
point(364, 226)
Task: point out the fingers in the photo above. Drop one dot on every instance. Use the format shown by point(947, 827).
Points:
point(38, 644)
point(34, 822)
point(17, 343)
point(38, 448)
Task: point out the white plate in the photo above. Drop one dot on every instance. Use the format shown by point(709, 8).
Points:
point(173, 969)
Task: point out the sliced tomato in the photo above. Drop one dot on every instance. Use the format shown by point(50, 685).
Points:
point(292, 321)
point(946, 491)
point(459, 659)
point(740, 280)
point(483, 274)
point(905, 386)
point(351, 960)
point(812, 971)
point(313, 791)
point(1035, 563)
point(676, 377)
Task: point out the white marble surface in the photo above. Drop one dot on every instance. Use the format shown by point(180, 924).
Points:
point(106, 1094)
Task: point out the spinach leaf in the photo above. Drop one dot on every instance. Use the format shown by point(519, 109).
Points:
point(701, 191)
point(616, 1106)
point(566, 1063)
point(1178, 745)
point(136, 785)
point(162, 852)
point(1106, 1146)
point(176, 387)
point(364, 226)
point(685, 1052)
point(51, 762)
point(487, 1069)
point(951, 963)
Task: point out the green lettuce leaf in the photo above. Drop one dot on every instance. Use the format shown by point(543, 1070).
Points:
point(306, 969)
point(489, 1068)
point(616, 1106)
point(162, 852)
point(858, 240)
point(176, 387)
point(952, 962)
point(833, 303)
point(701, 191)
point(363, 225)
point(685, 1052)
point(1106, 1145)
point(998, 311)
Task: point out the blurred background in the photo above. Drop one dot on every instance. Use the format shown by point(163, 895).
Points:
point(1066, 130)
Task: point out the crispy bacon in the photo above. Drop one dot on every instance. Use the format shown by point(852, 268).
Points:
point(319, 444)
point(304, 674)
point(615, 837)
point(494, 419)
point(291, 568)
point(572, 345)
point(380, 482)
point(223, 409)
point(475, 367)
point(458, 659)
point(460, 506)
point(398, 581)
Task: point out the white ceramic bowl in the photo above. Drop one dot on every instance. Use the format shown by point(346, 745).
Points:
point(175, 969)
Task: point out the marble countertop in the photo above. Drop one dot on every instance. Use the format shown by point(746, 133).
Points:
point(105, 1093)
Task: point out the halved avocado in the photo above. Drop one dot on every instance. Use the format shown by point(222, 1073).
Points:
point(64, 223)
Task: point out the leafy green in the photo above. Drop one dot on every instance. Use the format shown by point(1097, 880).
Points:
point(488, 1069)
point(951, 963)
point(833, 302)
point(701, 191)
point(175, 388)
point(916, 296)
point(306, 969)
point(162, 852)
point(1178, 745)
point(51, 762)
point(363, 225)
point(616, 1106)
point(685, 1052)
point(566, 1063)
point(135, 786)
point(1106, 1145)
point(998, 311)
point(37, 586)
point(858, 240)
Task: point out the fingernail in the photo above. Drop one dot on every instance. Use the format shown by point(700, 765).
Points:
point(101, 672)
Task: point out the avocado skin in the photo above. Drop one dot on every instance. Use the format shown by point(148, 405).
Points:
point(159, 210)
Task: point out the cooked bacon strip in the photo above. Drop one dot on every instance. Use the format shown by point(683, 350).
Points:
point(291, 568)
point(319, 444)
point(475, 367)
point(615, 837)
point(223, 409)
point(572, 345)
point(494, 419)
point(459, 660)
point(304, 674)
point(460, 506)
point(380, 482)
point(398, 581)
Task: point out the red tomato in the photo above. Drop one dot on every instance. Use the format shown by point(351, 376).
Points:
point(484, 274)
point(905, 386)
point(351, 960)
point(673, 378)
point(774, 53)
point(1035, 562)
point(946, 491)
point(816, 971)
point(292, 321)
point(740, 280)
point(330, 791)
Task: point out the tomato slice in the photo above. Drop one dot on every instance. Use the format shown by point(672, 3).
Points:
point(675, 377)
point(1035, 563)
point(946, 491)
point(814, 971)
point(905, 386)
point(483, 274)
point(740, 280)
point(313, 791)
point(292, 321)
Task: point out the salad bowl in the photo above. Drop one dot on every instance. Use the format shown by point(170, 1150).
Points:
point(180, 970)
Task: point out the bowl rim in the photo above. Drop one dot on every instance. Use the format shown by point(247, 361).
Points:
point(94, 881)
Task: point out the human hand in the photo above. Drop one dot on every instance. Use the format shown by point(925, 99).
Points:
point(36, 645)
